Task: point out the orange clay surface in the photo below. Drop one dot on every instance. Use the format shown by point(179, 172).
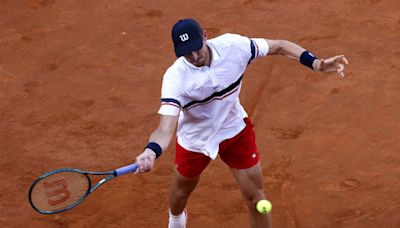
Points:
point(80, 87)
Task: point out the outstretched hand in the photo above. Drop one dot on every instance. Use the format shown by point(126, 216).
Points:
point(336, 63)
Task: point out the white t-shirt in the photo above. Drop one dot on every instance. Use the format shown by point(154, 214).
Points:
point(207, 98)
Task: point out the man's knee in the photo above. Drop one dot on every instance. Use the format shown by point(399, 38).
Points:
point(183, 186)
point(253, 197)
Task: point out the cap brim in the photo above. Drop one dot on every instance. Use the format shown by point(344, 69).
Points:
point(186, 48)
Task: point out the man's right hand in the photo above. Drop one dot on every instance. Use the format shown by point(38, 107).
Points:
point(162, 136)
point(145, 161)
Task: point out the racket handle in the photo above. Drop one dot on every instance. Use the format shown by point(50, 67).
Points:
point(126, 169)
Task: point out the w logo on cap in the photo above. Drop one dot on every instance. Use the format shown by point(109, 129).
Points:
point(184, 37)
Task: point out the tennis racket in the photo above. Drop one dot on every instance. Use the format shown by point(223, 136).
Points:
point(63, 189)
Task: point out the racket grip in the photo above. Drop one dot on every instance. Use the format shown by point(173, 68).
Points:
point(126, 169)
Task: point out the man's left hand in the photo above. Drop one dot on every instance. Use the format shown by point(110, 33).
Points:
point(336, 63)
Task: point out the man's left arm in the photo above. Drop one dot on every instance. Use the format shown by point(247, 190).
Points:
point(291, 50)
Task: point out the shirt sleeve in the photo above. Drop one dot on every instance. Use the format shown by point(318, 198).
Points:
point(251, 48)
point(261, 47)
point(170, 97)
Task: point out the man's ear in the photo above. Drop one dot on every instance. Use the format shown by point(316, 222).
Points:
point(204, 34)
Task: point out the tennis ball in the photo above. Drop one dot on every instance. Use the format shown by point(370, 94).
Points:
point(264, 206)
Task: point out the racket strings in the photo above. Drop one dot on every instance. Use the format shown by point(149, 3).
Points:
point(59, 191)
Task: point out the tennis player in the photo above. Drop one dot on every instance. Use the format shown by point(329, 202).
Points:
point(200, 95)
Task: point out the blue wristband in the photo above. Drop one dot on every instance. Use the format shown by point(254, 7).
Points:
point(154, 147)
point(307, 59)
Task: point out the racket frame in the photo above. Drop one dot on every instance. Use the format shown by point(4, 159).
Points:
point(111, 174)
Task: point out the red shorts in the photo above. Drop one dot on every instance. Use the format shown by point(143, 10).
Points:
point(239, 152)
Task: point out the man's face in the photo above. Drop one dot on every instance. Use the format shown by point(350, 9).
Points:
point(198, 58)
point(202, 56)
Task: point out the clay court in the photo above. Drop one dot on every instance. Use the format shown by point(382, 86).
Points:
point(80, 87)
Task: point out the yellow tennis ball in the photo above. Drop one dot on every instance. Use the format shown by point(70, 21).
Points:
point(264, 206)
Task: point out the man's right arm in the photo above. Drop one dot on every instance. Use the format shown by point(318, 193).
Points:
point(161, 136)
